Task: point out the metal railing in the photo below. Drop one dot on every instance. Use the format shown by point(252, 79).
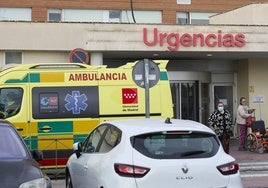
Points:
point(51, 148)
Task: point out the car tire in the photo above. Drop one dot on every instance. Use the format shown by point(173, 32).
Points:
point(68, 181)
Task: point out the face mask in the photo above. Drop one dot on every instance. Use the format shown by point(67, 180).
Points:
point(220, 108)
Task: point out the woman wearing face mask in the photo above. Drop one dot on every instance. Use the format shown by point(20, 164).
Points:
point(221, 122)
point(243, 112)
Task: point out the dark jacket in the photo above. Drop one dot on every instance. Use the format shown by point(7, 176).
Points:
point(220, 123)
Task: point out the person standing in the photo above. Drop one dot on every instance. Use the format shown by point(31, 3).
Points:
point(221, 122)
point(243, 112)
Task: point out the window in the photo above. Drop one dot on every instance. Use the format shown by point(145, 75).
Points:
point(92, 141)
point(111, 139)
point(77, 15)
point(15, 14)
point(13, 58)
point(142, 16)
point(115, 16)
point(184, 2)
point(183, 18)
point(125, 16)
point(10, 144)
point(54, 15)
point(10, 101)
point(176, 146)
point(103, 139)
point(193, 17)
point(200, 17)
point(63, 102)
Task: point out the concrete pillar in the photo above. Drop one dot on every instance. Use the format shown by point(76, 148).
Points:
point(96, 58)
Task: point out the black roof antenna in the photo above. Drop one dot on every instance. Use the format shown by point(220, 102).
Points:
point(132, 11)
point(168, 121)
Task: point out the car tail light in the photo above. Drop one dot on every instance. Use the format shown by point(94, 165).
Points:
point(229, 168)
point(130, 170)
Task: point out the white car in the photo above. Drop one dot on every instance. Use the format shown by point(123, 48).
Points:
point(151, 153)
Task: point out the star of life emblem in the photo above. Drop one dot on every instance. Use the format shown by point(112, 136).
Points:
point(76, 102)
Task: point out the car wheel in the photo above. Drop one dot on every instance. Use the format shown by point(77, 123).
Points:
point(68, 181)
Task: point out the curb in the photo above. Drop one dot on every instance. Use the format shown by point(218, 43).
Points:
point(253, 166)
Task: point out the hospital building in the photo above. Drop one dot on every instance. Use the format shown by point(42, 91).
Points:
point(217, 50)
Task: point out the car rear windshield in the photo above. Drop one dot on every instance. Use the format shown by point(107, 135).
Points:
point(176, 145)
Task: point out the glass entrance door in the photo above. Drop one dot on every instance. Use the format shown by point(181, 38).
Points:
point(224, 93)
point(185, 97)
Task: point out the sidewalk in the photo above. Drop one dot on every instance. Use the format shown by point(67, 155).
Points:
point(253, 166)
point(246, 156)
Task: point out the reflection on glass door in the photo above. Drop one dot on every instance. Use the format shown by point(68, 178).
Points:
point(204, 110)
point(185, 100)
point(189, 101)
point(224, 93)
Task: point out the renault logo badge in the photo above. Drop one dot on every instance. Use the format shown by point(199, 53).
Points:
point(184, 169)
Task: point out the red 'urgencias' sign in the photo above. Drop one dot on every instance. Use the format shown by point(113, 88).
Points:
point(173, 41)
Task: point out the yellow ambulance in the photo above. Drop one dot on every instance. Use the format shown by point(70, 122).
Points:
point(54, 105)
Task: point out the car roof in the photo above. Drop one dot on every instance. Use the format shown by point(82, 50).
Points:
point(143, 125)
point(6, 123)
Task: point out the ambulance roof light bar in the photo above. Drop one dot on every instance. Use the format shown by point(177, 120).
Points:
point(58, 66)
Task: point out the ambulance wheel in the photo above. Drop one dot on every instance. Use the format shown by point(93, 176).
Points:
point(252, 142)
